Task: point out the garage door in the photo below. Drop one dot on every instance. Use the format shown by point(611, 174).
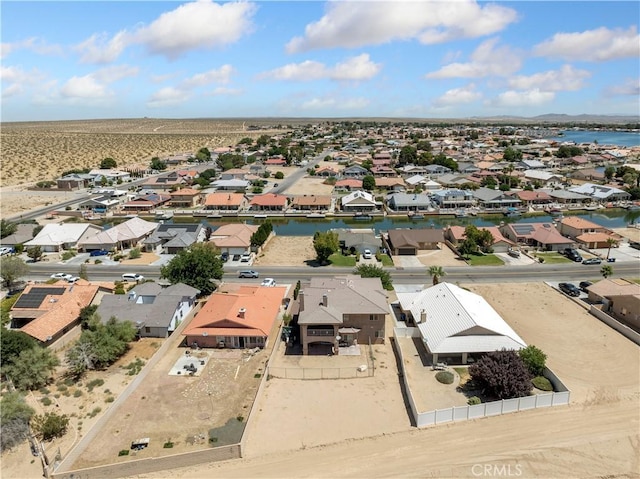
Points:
point(406, 251)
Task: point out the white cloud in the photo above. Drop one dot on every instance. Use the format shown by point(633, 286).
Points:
point(220, 75)
point(195, 25)
point(601, 44)
point(12, 90)
point(487, 60)
point(513, 98)
point(335, 103)
point(114, 73)
point(225, 91)
point(15, 80)
point(98, 49)
point(168, 96)
point(86, 87)
point(358, 24)
point(355, 68)
point(567, 78)
point(630, 87)
point(458, 96)
point(34, 44)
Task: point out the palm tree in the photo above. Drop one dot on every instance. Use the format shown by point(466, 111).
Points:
point(606, 271)
point(611, 242)
point(436, 272)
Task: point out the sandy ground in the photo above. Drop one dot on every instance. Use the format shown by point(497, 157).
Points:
point(310, 185)
point(15, 200)
point(632, 234)
point(317, 428)
point(287, 251)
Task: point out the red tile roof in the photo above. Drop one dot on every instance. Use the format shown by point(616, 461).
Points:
point(269, 199)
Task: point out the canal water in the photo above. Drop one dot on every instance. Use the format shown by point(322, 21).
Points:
point(609, 218)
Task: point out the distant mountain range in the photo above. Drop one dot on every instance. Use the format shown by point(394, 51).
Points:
point(563, 118)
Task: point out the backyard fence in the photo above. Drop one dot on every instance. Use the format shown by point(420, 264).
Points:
point(615, 324)
point(463, 413)
point(320, 373)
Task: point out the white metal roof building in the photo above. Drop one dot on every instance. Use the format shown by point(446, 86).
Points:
point(456, 322)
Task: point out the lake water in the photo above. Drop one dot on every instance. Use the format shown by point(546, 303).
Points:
point(618, 138)
point(612, 218)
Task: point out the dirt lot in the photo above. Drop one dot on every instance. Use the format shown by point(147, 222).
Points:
point(597, 435)
point(310, 185)
point(287, 251)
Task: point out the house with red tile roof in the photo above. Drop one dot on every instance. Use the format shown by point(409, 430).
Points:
point(532, 198)
point(47, 312)
point(588, 233)
point(146, 202)
point(456, 235)
point(539, 235)
point(311, 202)
point(383, 170)
point(268, 202)
point(395, 183)
point(276, 161)
point(234, 238)
point(225, 201)
point(348, 184)
point(237, 316)
point(326, 171)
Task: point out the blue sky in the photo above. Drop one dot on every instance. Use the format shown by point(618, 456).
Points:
point(422, 59)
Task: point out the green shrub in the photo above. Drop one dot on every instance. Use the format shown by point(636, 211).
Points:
point(135, 253)
point(168, 445)
point(67, 255)
point(44, 391)
point(473, 400)
point(69, 382)
point(542, 383)
point(94, 384)
point(109, 399)
point(445, 377)
point(62, 388)
point(77, 393)
point(124, 452)
point(240, 418)
point(46, 401)
point(95, 412)
point(99, 261)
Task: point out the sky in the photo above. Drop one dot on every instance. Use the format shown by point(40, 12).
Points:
point(80, 60)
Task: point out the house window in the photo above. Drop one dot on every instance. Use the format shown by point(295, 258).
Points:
point(380, 333)
point(147, 329)
point(372, 317)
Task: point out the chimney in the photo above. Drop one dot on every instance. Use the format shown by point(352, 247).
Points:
point(241, 312)
point(324, 299)
point(301, 300)
point(423, 315)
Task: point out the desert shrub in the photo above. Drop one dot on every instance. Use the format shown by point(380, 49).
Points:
point(135, 253)
point(69, 382)
point(124, 452)
point(95, 411)
point(473, 400)
point(134, 367)
point(168, 445)
point(46, 401)
point(44, 391)
point(534, 358)
point(240, 418)
point(61, 387)
point(444, 377)
point(98, 261)
point(109, 399)
point(67, 255)
point(542, 383)
point(94, 384)
point(77, 393)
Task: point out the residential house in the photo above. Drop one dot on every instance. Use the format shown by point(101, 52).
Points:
point(326, 172)
point(357, 239)
point(75, 181)
point(620, 298)
point(456, 235)
point(146, 203)
point(171, 238)
point(390, 183)
point(404, 242)
point(47, 312)
point(122, 236)
point(382, 171)
point(435, 171)
point(589, 234)
point(453, 198)
point(234, 238)
point(456, 324)
point(227, 202)
point(276, 161)
point(155, 311)
point(231, 185)
point(600, 193)
point(56, 237)
point(103, 176)
point(236, 316)
point(354, 171)
point(545, 179)
point(185, 198)
point(405, 202)
point(454, 179)
point(358, 201)
point(234, 174)
point(535, 198)
point(530, 164)
point(567, 197)
point(341, 311)
point(588, 174)
point(318, 203)
point(491, 199)
point(99, 204)
point(268, 202)
point(539, 235)
point(348, 185)
point(24, 232)
point(165, 183)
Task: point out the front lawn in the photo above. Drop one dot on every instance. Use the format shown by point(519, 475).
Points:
point(386, 259)
point(553, 258)
point(484, 260)
point(338, 259)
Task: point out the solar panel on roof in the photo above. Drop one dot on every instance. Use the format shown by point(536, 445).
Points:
point(523, 229)
point(35, 297)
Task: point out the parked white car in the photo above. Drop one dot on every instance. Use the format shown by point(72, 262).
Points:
point(268, 282)
point(65, 276)
point(132, 277)
point(366, 254)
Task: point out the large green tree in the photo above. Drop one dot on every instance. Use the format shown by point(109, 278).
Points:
point(49, 425)
point(33, 368)
point(197, 266)
point(203, 155)
point(368, 183)
point(11, 269)
point(373, 271)
point(325, 245)
point(108, 163)
point(7, 228)
point(15, 415)
point(13, 342)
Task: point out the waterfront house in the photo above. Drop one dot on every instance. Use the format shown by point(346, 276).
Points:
point(234, 238)
point(358, 201)
point(453, 198)
point(456, 235)
point(318, 203)
point(146, 203)
point(352, 240)
point(185, 198)
point(268, 202)
point(403, 241)
point(587, 233)
point(56, 237)
point(406, 202)
point(538, 235)
point(226, 202)
point(171, 238)
point(121, 236)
